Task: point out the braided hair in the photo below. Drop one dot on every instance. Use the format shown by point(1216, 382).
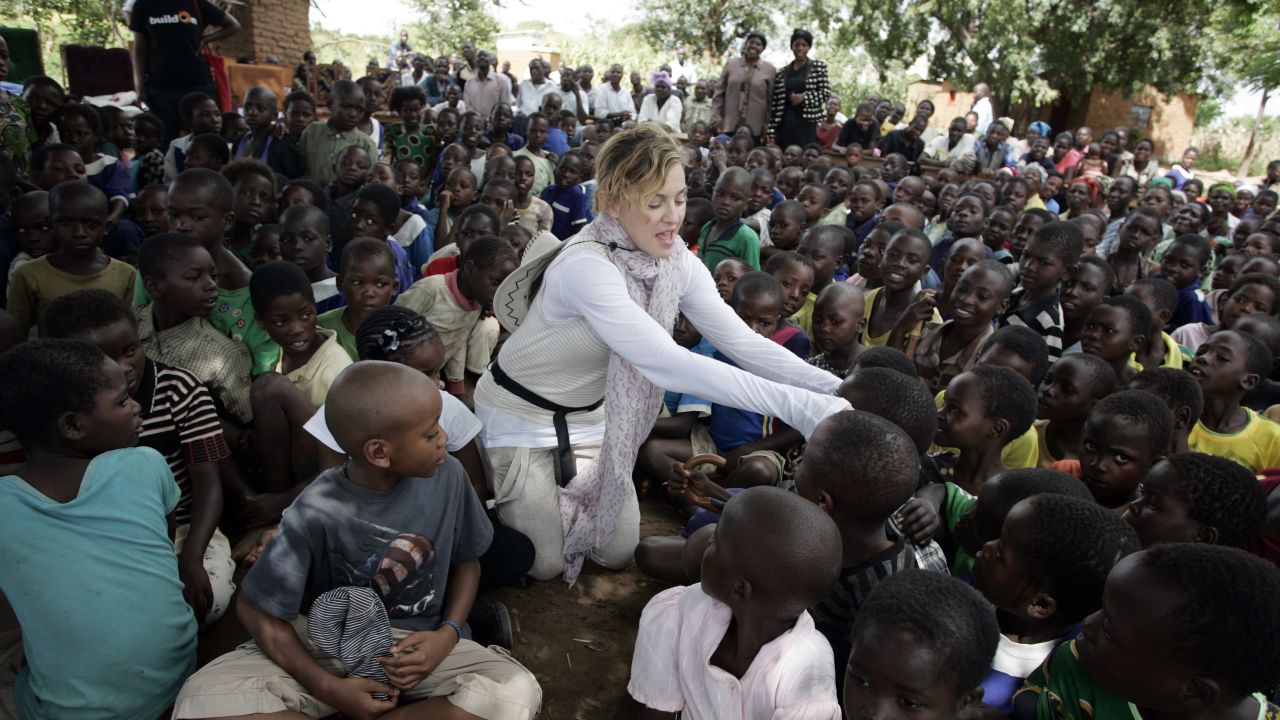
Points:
point(389, 330)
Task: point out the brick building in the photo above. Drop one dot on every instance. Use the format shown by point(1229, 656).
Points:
point(270, 27)
point(1168, 121)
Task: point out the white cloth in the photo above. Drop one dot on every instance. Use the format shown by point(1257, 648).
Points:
point(459, 424)
point(410, 230)
point(607, 101)
point(182, 144)
point(569, 101)
point(461, 107)
point(939, 147)
point(985, 115)
point(792, 677)
point(669, 114)
point(684, 70)
point(586, 288)
point(530, 96)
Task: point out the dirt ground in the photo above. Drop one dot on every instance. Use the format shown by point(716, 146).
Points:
point(578, 641)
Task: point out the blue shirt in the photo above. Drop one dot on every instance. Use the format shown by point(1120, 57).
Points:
point(94, 583)
point(569, 208)
point(1191, 308)
point(730, 427)
point(677, 403)
point(557, 142)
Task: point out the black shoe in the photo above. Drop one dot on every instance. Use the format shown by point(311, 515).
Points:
point(490, 623)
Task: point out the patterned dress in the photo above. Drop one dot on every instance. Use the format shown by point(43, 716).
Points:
point(17, 134)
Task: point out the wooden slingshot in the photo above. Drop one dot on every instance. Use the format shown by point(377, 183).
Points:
point(687, 493)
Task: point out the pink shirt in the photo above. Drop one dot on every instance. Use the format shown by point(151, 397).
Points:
point(791, 678)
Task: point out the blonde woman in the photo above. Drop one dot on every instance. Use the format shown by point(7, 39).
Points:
point(591, 328)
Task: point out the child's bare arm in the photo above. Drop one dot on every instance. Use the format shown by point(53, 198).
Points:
point(780, 442)
point(206, 509)
point(675, 427)
point(920, 518)
point(277, 638)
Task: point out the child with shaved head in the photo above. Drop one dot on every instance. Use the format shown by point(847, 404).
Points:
point(773, 556)
point(399, 517)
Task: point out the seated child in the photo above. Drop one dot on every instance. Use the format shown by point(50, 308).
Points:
point(1161, 298)
point(838, 317)
point(458, 194)
point(367, 279)
point(698, 645)
point(1192, 497)
point(351, 169)
point(898, 312)
point(401, 498)
point(786, 223)
point(543, 160)
point(816, 199)
point(923, 640)
point(998, 231)
point(532, 212)
point(825, 245)
point(1228, 365)
point(305, 242)
point(208, 151)
point(454, 302)
point(474, 223)
point(727, 236)
point(281, 154)
point(1184, 262)
point(1070, 390)
point(1137, 238)
point(967, 219)
point(1084, 287)
point(33, 229)
point(1053, 249)
point(178, 276)
point(180, 421)
point(308, 361)
point(81, 127)
point(1126, 433)
point(984, 410)
point(757, 214)
point(79, 214)
point(373, 211)
point(1028, 223)
point(964, 254)
point(566, 197)
point(147, 165)
point(265, 246)
point(1159, 643)
point(727, 274)
point(1266, 328)
point(789, 180)
point(1045, 573)
point(1181, 393)
point(838, 181)
point(697, 212)
point(408, 140)
point(254, 185)
point(949, 348)
point(1252, 293)
point(795, 274)
point(88, 564)
point(869, 254)
point(1115, 331)
point(149, 212)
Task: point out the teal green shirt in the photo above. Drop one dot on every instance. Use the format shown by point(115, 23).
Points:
point(740, 242)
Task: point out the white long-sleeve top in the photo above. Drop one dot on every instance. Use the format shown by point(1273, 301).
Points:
point(583, 312)
point(669, 114)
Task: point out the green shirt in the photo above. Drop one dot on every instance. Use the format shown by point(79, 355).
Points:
point(742, 242)
point(320, 145)
point(234, 317)
point(544, 173)
point(956, 503)
point(332, 320)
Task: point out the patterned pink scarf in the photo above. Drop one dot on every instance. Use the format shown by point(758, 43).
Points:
point(590, 504)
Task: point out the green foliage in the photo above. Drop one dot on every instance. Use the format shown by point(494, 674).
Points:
point(1244, 45)
point(1028, 51)
point(67, 22)
point(1209, 110)
point(705, 28)
point(354, 51)
point(443, 25)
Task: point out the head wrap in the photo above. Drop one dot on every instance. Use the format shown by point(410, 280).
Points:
point(660, 76)
point(1166, 182)
point(1090, 183)
point(1224, 185)
point(1042, 128)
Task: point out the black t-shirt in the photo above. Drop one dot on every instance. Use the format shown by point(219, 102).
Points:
point(173, 29)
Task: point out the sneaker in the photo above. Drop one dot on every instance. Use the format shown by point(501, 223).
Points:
point(490, 623)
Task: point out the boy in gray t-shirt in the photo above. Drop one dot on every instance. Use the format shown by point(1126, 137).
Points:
point(401, 518)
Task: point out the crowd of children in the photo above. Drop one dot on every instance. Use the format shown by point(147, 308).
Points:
point(239, 373)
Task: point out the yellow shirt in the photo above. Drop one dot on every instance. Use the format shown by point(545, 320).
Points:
point(1022, 452)
point(804, 316)
point(1255, 446)
point(315, 377)
point(882, 340)
point(1044, 459)
point(37, 283)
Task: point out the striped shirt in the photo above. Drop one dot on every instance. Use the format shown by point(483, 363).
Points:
point(180, 422)
point(1045, 317)
point(836, 614)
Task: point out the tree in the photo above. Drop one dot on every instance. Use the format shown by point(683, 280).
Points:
point(447, 24)
point(706, 28)
point(1246, 50)
point(1028, 51)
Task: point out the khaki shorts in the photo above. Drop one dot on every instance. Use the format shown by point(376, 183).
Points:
point(701, 442)
point(483, 681)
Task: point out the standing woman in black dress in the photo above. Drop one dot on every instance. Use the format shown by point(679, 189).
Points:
point(800, 93)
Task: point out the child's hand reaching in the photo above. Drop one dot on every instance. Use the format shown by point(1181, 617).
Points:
point(507, 214)
point(353, 697)
point(196, 589)
point(417, 656)
point(918, 519)
point(444, 199)
point(921, 309)
point(694, 486)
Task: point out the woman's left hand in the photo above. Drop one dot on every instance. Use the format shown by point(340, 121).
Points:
point(796, 98)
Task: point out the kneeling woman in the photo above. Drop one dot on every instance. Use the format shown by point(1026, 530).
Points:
point(577, 387)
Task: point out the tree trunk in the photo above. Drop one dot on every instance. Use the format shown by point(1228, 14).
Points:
point(1253, 137)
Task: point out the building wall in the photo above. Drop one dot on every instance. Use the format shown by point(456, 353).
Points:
point(270, 27)
point(948, 102)
point(1168, 121)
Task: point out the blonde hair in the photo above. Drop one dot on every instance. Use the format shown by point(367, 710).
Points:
point(633, 165)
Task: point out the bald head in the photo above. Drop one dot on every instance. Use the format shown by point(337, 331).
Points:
point(981, 90)
point(374, 400)
point(788, 547)
point(906, 214)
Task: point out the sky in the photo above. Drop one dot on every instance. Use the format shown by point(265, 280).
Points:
point(378, 17)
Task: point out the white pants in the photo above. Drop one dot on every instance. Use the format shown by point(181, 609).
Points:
point(218, 565)
point(527, 499)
